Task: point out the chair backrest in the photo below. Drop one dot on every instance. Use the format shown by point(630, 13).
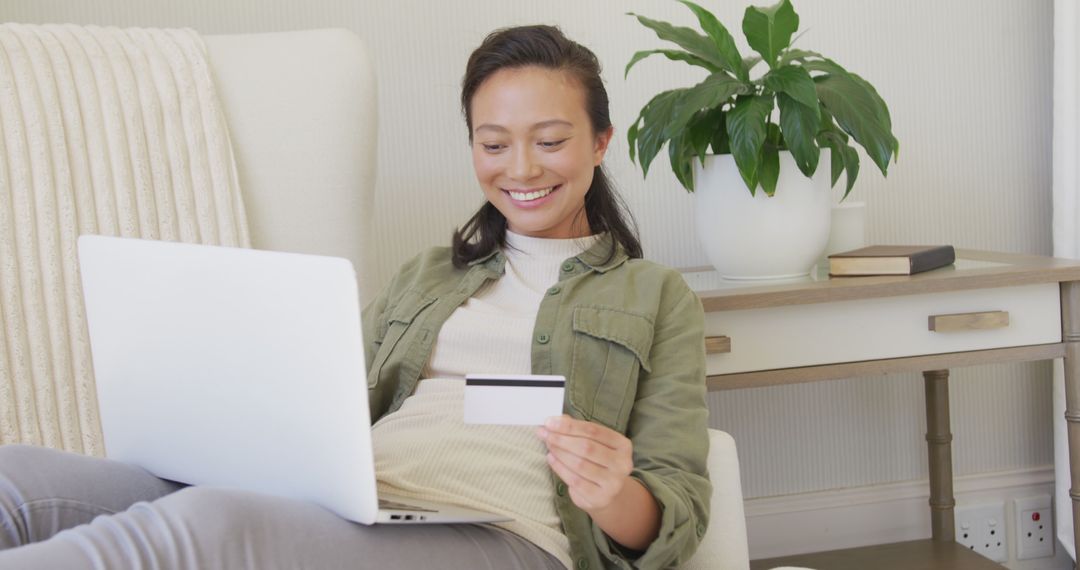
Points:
point(724, 545)
point(301, 110)
point(300, 107)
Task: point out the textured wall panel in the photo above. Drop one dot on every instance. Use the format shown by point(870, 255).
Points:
point(969, 86)
point(846, 433)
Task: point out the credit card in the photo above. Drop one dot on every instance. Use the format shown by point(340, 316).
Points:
point(513, 399)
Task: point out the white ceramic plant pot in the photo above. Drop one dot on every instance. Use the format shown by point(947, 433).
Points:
point(762, 237)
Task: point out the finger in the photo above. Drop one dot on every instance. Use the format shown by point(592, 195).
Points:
point(588, 449)
point(589, 470)
point(571, 476)
point(569, 426)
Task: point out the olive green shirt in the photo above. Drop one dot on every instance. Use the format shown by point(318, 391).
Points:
point(627, 334)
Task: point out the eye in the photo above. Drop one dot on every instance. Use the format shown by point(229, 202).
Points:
point(551, 144)
point(492, 147)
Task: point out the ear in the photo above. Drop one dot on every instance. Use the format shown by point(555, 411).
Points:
point(603, 139)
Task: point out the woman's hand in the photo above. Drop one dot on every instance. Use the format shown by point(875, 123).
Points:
point(594, 461)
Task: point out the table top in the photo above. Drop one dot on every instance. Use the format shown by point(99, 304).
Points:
point(974, 269)
point(918, 554)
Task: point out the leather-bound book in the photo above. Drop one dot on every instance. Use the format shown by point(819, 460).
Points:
point(891, 260)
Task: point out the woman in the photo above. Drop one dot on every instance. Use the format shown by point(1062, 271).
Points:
point(546, 278)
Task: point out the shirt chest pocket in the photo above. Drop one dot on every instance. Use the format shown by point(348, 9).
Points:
point(393, 329)
point(611, 348)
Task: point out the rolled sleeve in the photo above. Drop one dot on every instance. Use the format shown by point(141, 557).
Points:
point(668, 428)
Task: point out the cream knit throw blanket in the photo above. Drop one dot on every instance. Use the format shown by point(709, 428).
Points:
point(102, 131)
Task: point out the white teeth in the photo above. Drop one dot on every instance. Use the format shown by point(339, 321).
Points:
point(529, 196)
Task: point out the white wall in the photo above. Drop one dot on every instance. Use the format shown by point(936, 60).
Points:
point(969, 86)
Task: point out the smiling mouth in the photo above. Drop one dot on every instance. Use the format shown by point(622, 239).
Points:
point(530, 195)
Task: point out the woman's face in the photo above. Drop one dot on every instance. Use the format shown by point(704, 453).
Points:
point(534, 150)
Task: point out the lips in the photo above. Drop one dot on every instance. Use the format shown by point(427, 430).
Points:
point(525, 196)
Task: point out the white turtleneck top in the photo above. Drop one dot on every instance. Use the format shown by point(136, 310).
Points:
point(424, 449)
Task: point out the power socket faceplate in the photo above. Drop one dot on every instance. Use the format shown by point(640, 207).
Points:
point(1034, 527)
point(982, 528)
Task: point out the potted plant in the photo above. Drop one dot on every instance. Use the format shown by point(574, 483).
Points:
point(802, 108)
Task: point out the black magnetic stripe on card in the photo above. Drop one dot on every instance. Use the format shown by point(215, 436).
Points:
point(522, 383)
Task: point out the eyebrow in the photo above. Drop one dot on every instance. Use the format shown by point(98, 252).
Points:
point(537, 126)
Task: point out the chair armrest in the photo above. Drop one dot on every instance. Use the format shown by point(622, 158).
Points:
point(724, 545)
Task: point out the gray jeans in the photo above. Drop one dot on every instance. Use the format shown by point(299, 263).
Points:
point(62, 510)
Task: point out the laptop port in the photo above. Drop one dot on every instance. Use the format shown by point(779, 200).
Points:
point(408, 517)
point(395, 517)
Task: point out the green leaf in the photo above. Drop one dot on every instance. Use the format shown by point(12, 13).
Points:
point(701, 129)
point(813, 61)
point(794, 81)
point(837, 159)
point(847, 156)
point(836, 135)
point(800, 126)
point(774, 136)
point(712, 92)
point(749, 62)
point(655, 117)
point(800, 55)
point(631, 137)
point(686, 38)
point(719, 142)
point(769, 160)
point(672, 54)
point(856, 111)
point(828, 140)
point(681, 161)
point(746, 133)
point(851, 165)
point(827, 123)
point(725, 44)
point(881, 109)
point(769, 30)
point(822, 64)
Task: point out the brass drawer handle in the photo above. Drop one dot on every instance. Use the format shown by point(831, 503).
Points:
point(969, 321)
point(717, 344)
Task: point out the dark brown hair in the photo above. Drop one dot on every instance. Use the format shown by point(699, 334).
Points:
point(548, 48)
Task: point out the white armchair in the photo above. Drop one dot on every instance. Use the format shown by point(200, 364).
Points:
point(302, 116)
point(724, 545)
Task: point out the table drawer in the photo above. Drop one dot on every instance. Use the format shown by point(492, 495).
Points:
point(890, 327)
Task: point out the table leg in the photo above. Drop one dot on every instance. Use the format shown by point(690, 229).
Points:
point(1070, 335)
point(939, 446)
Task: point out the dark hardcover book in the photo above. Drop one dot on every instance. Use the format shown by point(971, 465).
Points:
point(891, 259)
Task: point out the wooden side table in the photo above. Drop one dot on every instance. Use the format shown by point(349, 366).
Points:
point(986, 308)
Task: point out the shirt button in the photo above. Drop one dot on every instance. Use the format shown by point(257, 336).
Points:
point(554, 291)
point(560, 489)
point(568, 266)
point(700, 530)
point(542, 338)
point(582, 564)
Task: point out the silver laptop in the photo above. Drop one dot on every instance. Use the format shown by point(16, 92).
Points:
point(238, 368)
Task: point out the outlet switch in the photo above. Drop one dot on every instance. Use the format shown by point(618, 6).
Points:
point(1034, 527)
point(982, 528)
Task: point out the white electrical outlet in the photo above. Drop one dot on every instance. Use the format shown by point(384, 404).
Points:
point(1034, 527)
point(982, 528)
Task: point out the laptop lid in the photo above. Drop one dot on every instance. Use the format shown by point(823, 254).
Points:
point(253, 379)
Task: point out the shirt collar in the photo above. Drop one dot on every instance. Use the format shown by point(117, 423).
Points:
point(600, 257)
point(494, 261)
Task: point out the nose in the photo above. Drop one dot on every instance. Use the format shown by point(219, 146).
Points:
point(523, 165)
